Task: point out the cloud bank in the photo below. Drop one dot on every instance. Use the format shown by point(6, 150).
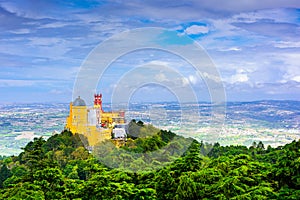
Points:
point(254, 44)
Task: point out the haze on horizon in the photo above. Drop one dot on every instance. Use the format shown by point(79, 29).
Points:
point(254, 45)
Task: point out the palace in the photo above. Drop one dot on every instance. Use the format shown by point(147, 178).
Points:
point(95, 124)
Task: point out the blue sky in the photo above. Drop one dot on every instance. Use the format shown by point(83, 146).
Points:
point(254, 44)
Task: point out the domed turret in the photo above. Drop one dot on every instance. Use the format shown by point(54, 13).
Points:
point(79, 102)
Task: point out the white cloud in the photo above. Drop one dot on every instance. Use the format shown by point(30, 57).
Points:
point(158, 62)
point(276, 15)
point(161, 77)
point(231, 49)
point(291, 67)
point(54, 25)
point(16, 83)
point(56, 91)
point(184, 81)
point(47, 41)
point(193, 79)
point(287, 44)
point(296, 78)
point(196, 29)
point(238, 78)
point(21, 31)
point(210, 76)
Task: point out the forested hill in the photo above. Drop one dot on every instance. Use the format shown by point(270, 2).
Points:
point(61, 168)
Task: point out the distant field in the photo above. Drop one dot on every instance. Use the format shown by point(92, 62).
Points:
point(272, 122)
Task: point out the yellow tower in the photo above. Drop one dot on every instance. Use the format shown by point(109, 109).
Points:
point(77, 120)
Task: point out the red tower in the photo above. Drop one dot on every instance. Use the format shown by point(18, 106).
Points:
point(98, 101)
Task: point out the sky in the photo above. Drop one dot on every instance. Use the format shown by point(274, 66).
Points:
point(253, 44)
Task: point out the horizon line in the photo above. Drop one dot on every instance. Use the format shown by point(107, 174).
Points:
point(151, 102)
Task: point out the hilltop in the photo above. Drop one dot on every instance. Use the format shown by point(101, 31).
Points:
point(61, 168)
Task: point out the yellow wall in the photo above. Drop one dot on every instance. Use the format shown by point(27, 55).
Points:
point(95, 135)
point(111, 117)
point(77, 122)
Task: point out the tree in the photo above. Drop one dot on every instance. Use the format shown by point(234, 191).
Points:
point(25, 190)
point(4, 174)
point(51, 182)
point(187, 188)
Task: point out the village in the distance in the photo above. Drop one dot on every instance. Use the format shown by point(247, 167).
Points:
point(274, 123)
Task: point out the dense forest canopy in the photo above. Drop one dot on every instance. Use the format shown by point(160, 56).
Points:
point(61, 168)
